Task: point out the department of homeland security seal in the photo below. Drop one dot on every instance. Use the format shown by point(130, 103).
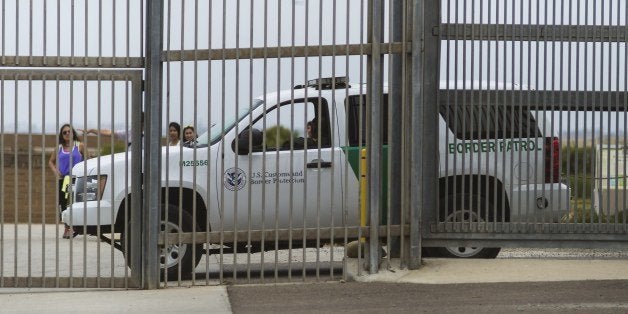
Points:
point(234, 179)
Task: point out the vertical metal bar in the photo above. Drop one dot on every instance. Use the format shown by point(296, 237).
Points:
point(250, 165)
point(292, 83)
point(406, 143)
point(585, 57)
point(113, 179)
point(332, 108)
point(99, 33)
point(625, 137)
point(486, 105)
point(128, 33)
point(361, 119)
point(2, 172)
point(84, 172)
point(133, 213)
point(58, 33)
point(56, 189)
point(475, 160)
point(305, 78)
point(98, 205)
point(142, 16)
point(529, 119)
point(168, 32)
point(135, 91)
point(86, 37)
point(277, 88)
point(537, 160)
point(431, 118)
point(574, 71)
point(195, 108)
point(223, 143)
point(44, 169)
point(182, 79)
point(209, 125)
point(625, 119)
point(345, 176)
point(152, 160)
point(17, 32)
point(611, 214)
point(15, 181)
point(30, 35)
point(560, 90)
point(30, 180)
point(237, 109)
point(265, 90)
point(374, 124)
point(395, 133)
point(424, 119)
point(417, 131)
point(3, 52)
point(113, 31)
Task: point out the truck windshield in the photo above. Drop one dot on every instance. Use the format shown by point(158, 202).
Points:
point(231, 118)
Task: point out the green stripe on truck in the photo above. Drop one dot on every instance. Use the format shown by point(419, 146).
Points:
point(353, 157)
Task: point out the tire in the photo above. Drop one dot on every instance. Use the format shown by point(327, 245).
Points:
point(462, 207)
point(176, 255)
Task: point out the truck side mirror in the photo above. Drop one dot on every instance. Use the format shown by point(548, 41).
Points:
point(243, 141)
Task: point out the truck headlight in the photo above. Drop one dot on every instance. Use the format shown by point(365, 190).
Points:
point(90, 188)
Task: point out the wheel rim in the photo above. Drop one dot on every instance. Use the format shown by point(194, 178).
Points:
point(464, 216)
point(172, 254)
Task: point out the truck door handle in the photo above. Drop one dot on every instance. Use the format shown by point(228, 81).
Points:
point(319, 164)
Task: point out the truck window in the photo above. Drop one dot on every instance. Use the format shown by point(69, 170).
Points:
point(285, 126)
point(481, 121)
point(356, 111)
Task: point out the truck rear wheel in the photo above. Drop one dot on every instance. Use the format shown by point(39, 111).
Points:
point(463, 208)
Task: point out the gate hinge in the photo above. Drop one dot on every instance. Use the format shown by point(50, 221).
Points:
point(143, 85)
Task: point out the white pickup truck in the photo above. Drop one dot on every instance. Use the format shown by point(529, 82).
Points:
point(245, 174)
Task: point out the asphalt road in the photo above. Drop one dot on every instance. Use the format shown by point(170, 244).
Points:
point(355, 297)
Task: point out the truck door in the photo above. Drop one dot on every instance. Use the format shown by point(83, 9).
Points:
point(288, 179)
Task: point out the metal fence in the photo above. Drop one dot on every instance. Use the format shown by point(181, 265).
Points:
point(274, 183)
point(289, 206)
point(73, 62)
point(283, 141)
point(532, 127)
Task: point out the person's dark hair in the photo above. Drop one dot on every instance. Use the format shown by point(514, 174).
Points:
point(177, 127)
point(313, 124)
point(74, 136)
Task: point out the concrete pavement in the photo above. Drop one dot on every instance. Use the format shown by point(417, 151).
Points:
point(38, 251)
point(214, 299)
point(209, 299)
point(455, 271)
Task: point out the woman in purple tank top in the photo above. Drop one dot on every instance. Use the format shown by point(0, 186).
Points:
point(69, 152)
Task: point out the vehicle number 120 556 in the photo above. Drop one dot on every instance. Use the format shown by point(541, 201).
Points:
point(192, 163)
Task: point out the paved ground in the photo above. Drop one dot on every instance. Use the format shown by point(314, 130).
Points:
point(378, 297)
point(449, 286)
point(555, 280)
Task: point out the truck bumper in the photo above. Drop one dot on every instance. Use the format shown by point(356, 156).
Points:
point(540, 203)
point(88, 214)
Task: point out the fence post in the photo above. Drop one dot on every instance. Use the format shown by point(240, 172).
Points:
point(425, 67)
point(374, 124)
point(152, 145)
point(395, 135)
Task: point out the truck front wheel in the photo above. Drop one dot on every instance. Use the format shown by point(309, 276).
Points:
point(175, 256)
